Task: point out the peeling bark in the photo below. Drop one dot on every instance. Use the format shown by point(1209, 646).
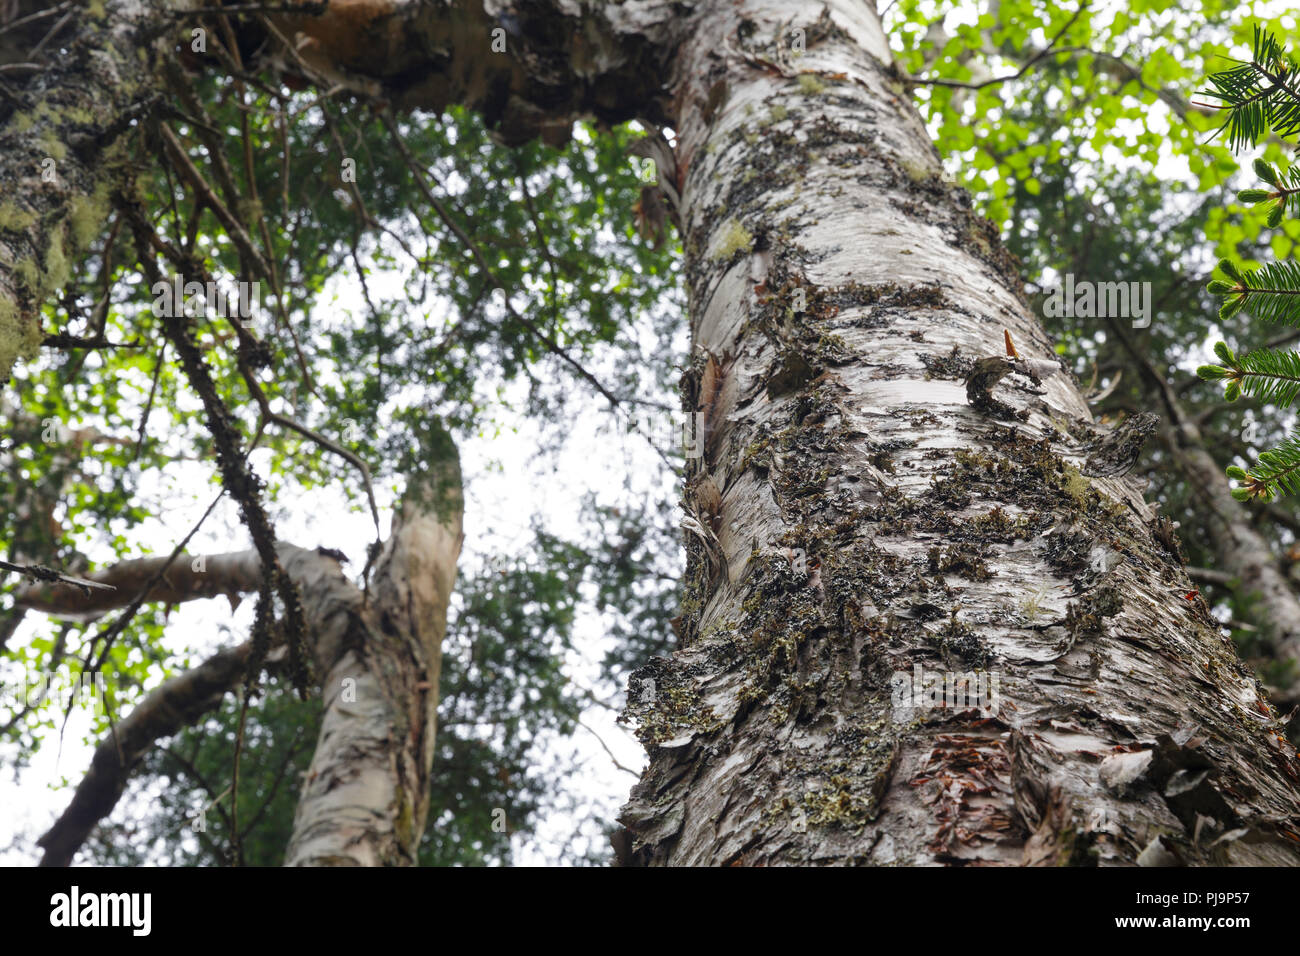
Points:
point(531, 68)
point(366, 796)
point(873, 519)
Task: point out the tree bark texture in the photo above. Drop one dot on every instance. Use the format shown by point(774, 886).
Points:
point(874, 495)
point(874, 512)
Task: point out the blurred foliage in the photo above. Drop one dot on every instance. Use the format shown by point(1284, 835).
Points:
point(380, 322)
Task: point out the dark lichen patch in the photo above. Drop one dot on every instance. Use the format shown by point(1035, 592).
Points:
point(984, 377)
point(663, 701)
point(851, 800)
point(791, 372)
point(1105, 601)
point(854, 294)
point(782, 613)
point(1001, 527)
point(1067, 551)
point(881, 453)
point(962, 559)
point(983, 239)
point(960, 639)
point(1165, 532)
point(953, 365)
point(1086, 618)
point(1030, 475)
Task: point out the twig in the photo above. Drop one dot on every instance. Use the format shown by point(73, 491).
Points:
point(551, 345)
point(310, 8)
point(970, 85)
point(64, 340)
point(39, 572)
point(605, 747)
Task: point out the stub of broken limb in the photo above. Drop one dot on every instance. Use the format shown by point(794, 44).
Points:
point(988, 372)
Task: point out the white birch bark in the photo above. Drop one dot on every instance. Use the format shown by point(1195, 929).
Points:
point(872, 519)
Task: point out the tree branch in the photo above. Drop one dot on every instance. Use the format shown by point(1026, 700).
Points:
point(39, 572)
point(172, 706)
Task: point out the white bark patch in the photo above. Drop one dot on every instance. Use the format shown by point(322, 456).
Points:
point(877, 517)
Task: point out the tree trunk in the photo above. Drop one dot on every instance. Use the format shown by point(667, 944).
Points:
point(1242, 553)
point(866, 504)
point(365, 799)
point(366, 795)
point(876, 515)
point(62, 141)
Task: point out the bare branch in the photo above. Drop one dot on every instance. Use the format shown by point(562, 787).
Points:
point(174, 705)
point(39, 572)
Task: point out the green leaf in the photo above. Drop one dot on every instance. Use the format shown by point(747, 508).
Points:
point(1271, 375)
point(1270, 293)
point(1266, 172)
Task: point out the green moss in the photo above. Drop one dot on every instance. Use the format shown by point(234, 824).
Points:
point(18, 339)
point(839, 804)
point(916, 171)
point(13, 218)
point(810, 84)
point(778, 113)
point(53, 146)
point(57, 269)
point(735, 238)
point(1076, 486)
point(404, 819)
point(22, 122)
point(86, 215)
point(29, 274)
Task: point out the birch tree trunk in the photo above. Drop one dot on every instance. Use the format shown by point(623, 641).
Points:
point(860, 510)
point(1242, 552)
point(874, 515)
point(365, 798)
